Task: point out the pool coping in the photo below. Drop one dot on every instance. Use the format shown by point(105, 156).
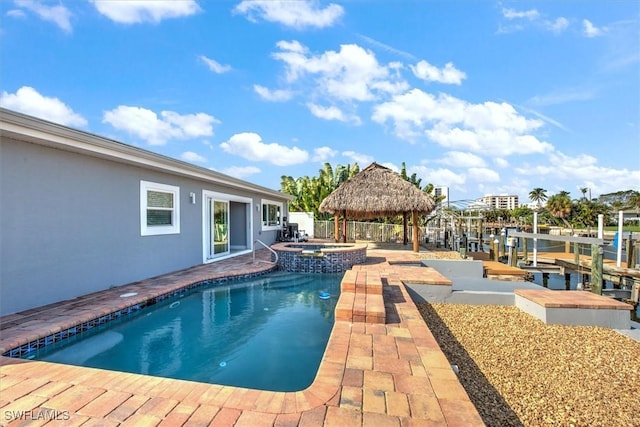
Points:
point(329, 247)
point(393, 373)
point(62, 331)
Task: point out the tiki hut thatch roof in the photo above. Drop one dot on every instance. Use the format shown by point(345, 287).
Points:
point(377, 192)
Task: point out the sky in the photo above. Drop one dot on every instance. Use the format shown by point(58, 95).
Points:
point(485, 97)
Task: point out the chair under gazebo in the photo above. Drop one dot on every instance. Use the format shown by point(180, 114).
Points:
point(377, 192)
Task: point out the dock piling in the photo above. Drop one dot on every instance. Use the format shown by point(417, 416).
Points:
point(596, 268)
point(630, 255)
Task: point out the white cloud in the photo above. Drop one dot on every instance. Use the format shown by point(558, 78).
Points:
point(328, 113)
point(335, 82)
point(298, 14)
point(241, 172)
point(350, 74)
point(441, 177)
point(557, 26)
point(332, 113)
point(582, 168)
point(449, 74)
point(590, 30)
point(501, 163)
point(530, 14)
point(190, 156)
point(563, 96)
point(146, 125)
point(214, 65)
point(27, 100)
point(500, 140)
point(461, 159)
point(535, 19)
point(139, 11)
point(507, 29)
point(249, 145)
point(483, 175)
point(459, 125)
point(59, 15)
point(362, 159)
point(322, 154)
point(277, 95)
point(622, 45)
point(16, 13)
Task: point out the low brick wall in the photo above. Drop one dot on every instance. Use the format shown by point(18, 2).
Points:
point(319, 258)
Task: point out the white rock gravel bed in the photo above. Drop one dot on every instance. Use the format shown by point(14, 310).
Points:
point(519, 371)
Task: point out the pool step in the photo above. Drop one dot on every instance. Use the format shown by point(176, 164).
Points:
point(361, 297)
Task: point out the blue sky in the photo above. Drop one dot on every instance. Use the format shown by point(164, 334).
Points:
point(483, 97)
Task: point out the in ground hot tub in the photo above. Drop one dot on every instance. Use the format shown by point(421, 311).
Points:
point(319, 257)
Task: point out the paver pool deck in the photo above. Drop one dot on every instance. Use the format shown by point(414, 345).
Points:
point(379, 373)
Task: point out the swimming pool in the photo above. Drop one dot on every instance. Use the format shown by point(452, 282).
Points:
point(267, 333)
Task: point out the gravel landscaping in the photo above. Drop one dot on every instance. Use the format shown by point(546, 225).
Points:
point(519, 371)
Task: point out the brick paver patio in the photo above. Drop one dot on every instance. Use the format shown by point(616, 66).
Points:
point(382, 365)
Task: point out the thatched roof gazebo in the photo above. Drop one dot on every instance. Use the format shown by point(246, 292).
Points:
point(377, 192)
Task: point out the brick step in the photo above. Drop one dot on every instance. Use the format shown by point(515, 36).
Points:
point(361, 297)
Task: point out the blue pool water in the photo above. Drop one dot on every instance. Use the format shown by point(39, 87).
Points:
point(268, 333)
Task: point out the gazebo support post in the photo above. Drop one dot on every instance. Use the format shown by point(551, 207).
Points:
point(336, 228)
point(405, 217)
point(344, 226)
point(416, 238)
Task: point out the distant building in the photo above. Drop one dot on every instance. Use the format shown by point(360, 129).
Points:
point(442, 191)
point(501, 202)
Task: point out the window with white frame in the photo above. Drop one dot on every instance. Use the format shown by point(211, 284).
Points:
point(159, 209)
point(271, 215)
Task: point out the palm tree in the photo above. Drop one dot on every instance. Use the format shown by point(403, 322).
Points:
point(586, 213)
point(560, 207)
point(537, 196)
point(584, 191)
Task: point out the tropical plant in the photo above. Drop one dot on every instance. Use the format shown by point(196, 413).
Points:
point(560, 207)
point(413, 179)
point(310, 192)
point(522, 215)
point(538, 196)
point(585, 213)
point(584, 191)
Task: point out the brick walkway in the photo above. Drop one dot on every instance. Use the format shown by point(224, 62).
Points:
point(374, 373)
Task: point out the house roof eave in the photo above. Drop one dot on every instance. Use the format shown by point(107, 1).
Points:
point(30, 129)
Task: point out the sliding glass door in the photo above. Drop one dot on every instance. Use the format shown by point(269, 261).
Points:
point(221, 230)
point(217, 227)
point(226, 227)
